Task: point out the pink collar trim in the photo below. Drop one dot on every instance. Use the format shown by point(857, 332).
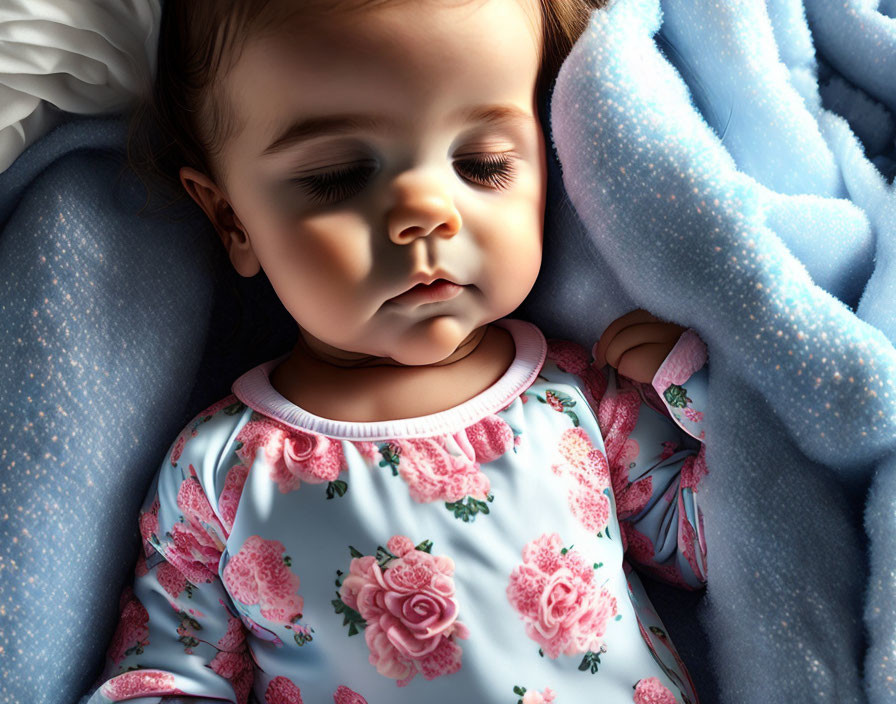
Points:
point(254, 389)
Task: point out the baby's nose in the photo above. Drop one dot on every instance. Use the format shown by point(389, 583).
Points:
point(423, 206)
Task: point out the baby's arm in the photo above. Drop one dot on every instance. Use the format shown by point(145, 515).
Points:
point(178, 636)
point(653, 435)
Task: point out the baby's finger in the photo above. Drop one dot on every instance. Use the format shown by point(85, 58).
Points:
point(639, 315)
point(639, 334)
point(642, 362)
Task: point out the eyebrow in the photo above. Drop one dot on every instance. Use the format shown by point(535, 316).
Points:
point(345, 123)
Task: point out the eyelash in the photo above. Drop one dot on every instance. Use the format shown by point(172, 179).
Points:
point(497, 171)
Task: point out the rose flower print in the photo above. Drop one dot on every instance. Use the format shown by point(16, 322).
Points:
point(447, 468)
point(294, 455)
point(132, 631)
point(403, 598)
point(588, 475)
point(652, 691)
point(259, 574)
point(194, 543)
point(556, 594)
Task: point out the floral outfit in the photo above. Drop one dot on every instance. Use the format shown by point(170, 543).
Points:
point(482, 554)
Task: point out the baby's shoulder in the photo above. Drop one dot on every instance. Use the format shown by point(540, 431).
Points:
point(208, 430)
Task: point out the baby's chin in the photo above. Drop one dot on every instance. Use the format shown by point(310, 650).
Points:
point(432, 340)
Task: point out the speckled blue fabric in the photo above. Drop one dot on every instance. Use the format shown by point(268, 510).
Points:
point(713, 184)
point(113, 331)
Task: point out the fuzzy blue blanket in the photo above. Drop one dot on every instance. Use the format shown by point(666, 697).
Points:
point(703, 153)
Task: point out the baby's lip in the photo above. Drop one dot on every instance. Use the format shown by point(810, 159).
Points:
point(437, 290)
point(427, 278)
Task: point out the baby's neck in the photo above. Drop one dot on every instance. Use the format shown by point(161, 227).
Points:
point(309, 349)
point(368, 394)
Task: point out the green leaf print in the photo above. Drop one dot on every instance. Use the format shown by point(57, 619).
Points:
point(351, 618)
point(425, 546)
point(335, 488)
point(234, 409)
point(590, 662)
point(391, 456)
point(467, 509)
point(676, 396)
point(384, 557)
point(575, 418)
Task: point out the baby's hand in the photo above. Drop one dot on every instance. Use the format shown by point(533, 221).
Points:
point(636, 344)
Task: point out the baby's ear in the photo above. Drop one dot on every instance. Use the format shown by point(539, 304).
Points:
point(230, 229)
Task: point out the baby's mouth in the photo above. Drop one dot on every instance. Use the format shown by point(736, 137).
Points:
point(438, 290)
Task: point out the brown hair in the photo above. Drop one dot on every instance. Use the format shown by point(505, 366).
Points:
point(183, 120)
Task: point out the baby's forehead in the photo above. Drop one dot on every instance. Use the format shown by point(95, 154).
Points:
point(401, 55)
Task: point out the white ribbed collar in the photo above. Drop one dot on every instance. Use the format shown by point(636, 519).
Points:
point(254, 389)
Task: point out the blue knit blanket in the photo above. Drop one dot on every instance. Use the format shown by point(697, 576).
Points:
point(731, 164)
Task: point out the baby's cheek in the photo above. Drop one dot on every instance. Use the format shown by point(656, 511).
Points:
point(336, 246)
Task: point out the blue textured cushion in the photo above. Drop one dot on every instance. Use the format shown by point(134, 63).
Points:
point(110, 335)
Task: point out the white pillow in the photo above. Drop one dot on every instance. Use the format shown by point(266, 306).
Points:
point(76, 56)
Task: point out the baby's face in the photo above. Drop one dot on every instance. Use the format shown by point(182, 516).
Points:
point(439, 174)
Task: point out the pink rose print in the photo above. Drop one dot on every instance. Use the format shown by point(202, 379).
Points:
point(617, 417)
point(259, 574)
point(344, 695)
point(447, 468)
point(433, 473)
point(693, 470)
point(652, 691)
point(294, 455)
point(573, 358)
point(140, 683)
point(230, 496)
point(235, 639)
point(132, 632)
point(669, 449)
point(490, 438)
point(632, 498)
point(692, 415)
point(149, 527)
point(171, 579)
point(569, 356)
point(557, 596)
point(405, 597)
point(533, 697)
point(238, 669)
point(589, 477)
point(639, 547)
point(177, 449)
point(281, 690)
point(196, 541)
point(554, 401)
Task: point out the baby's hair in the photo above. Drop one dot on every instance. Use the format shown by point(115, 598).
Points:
point(183, 121)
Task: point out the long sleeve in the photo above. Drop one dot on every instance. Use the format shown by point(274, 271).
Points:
point(179, 637)
point(653, 434)
point(681, 383)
